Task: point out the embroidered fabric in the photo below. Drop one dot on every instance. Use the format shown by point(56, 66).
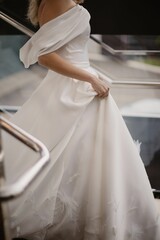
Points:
point(67, 222)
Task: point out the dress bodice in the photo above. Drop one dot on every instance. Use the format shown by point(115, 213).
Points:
point(76, 51)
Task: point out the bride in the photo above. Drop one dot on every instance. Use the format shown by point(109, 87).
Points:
point(95, 187)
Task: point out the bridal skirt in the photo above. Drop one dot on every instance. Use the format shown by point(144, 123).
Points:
point(95, 187)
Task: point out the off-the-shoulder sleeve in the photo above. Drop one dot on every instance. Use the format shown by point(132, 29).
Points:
point(55, 34)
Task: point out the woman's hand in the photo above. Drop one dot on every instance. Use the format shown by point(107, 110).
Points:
point(56, 63)
point(100, 87)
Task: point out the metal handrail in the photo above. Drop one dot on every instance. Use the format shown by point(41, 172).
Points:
point(13, 190)
point(16, 24)
point(122, 52)
point(127, 83)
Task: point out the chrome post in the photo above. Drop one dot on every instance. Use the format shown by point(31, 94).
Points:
point(4, 223)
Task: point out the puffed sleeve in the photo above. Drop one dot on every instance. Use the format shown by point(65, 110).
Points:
point(55, 34)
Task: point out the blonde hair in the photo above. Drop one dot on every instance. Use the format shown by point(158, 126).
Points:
point(32, 13)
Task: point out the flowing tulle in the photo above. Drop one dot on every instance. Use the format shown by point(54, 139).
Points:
point(95, 187)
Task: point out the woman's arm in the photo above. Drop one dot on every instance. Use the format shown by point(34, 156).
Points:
point(56, 63)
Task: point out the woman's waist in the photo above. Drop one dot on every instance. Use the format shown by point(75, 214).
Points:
point(82, 65)
point(81, 62)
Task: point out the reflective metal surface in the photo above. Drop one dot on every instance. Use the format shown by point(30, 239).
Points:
point(18, 187)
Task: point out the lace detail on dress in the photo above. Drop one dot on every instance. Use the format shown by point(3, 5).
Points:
point(71, 179)
point(64, 216)
point(116, 222)
point(66, 211)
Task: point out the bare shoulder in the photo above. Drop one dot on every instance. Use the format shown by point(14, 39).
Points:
point(42, 12)
point(49, 10)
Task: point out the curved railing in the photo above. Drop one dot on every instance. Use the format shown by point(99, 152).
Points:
point(122, 52)
point(16, 24)
point(17, 188)
point(8, 192)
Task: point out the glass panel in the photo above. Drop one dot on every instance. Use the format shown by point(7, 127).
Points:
point(132, 42)
point(129, 57)
point(16, 82)
point(140, 108)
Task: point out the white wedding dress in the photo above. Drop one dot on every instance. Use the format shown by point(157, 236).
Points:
point(95, 186)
